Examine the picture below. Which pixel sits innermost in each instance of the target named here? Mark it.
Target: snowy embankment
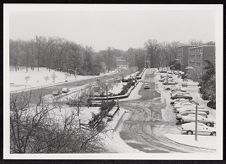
(133, 75)
(202, 142)
(22, 80)
(112, 140)
(117, 88)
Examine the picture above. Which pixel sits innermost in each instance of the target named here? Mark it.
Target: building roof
(201, 46)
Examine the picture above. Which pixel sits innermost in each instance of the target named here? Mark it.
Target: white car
(186, 113)
(183, 104)
(189, 128)
(175, 101)
(65, 90)
(192, 108)
(191, 118)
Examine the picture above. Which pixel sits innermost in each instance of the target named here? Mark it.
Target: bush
(126, 87)
(96, 121)
(212, 104)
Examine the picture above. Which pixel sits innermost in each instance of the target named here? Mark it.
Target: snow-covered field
(20, 80)
(203, 141)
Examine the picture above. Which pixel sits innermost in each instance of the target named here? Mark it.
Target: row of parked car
(185, 110)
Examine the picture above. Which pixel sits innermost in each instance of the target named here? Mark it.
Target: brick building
(182, 55)
(196, 60)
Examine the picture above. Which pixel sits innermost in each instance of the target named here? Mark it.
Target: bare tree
(27, 78)
(54, 76)
(46, 78)
(33, 129)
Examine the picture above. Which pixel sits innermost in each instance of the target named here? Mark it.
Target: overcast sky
(119, 29)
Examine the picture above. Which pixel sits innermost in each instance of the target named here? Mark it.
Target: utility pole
(196, 121)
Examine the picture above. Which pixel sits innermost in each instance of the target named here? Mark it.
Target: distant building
(196, 60)
(121, 62)
(182, 55)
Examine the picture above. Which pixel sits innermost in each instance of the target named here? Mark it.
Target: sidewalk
(208, 142)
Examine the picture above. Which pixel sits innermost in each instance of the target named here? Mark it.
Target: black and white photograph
(111, 81)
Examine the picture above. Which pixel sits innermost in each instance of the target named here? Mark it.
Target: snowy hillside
(21, 79)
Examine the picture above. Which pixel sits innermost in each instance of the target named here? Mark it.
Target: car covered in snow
(186, 113)
(146, 86)
(65, 90)
(183, 104)
(179, 100)
(170, 82)
(192, 108)
(56, 92)
(191, 118)
(202, 129)
(184, 95)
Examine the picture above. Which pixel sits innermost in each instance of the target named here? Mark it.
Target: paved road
(146, 126)
(35, 93)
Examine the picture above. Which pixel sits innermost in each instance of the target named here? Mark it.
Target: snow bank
(202, 142)
(117, 88)
(134, 94)
(112, 140)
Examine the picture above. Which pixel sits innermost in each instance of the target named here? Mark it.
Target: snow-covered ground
(112, 140)
(131, 75)
(85, 114)
(20, 80)
(203, 141)
(117, 88)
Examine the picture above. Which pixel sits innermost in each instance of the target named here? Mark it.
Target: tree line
(59, 54)
(67, 56)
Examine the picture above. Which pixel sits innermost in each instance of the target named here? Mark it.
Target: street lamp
(196, 118)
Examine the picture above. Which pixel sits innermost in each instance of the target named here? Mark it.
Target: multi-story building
(196, 60)
(182, 55)
(121, 62)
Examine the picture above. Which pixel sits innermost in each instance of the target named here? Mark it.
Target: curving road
(145, 127)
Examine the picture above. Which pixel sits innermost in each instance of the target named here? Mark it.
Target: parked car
(170, 83)
(183, 104)
(192, 108)
(167, 88)
(189, 128)
(163, 71)
(181, 95)
(146, 86)
(191, 118)
(65, 90)
(56, 92)
(162, 80)
(186, 113)
(175, 101)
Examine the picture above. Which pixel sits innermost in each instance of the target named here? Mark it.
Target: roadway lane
(35, 93)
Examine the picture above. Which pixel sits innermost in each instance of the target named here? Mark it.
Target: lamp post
(196, 119)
